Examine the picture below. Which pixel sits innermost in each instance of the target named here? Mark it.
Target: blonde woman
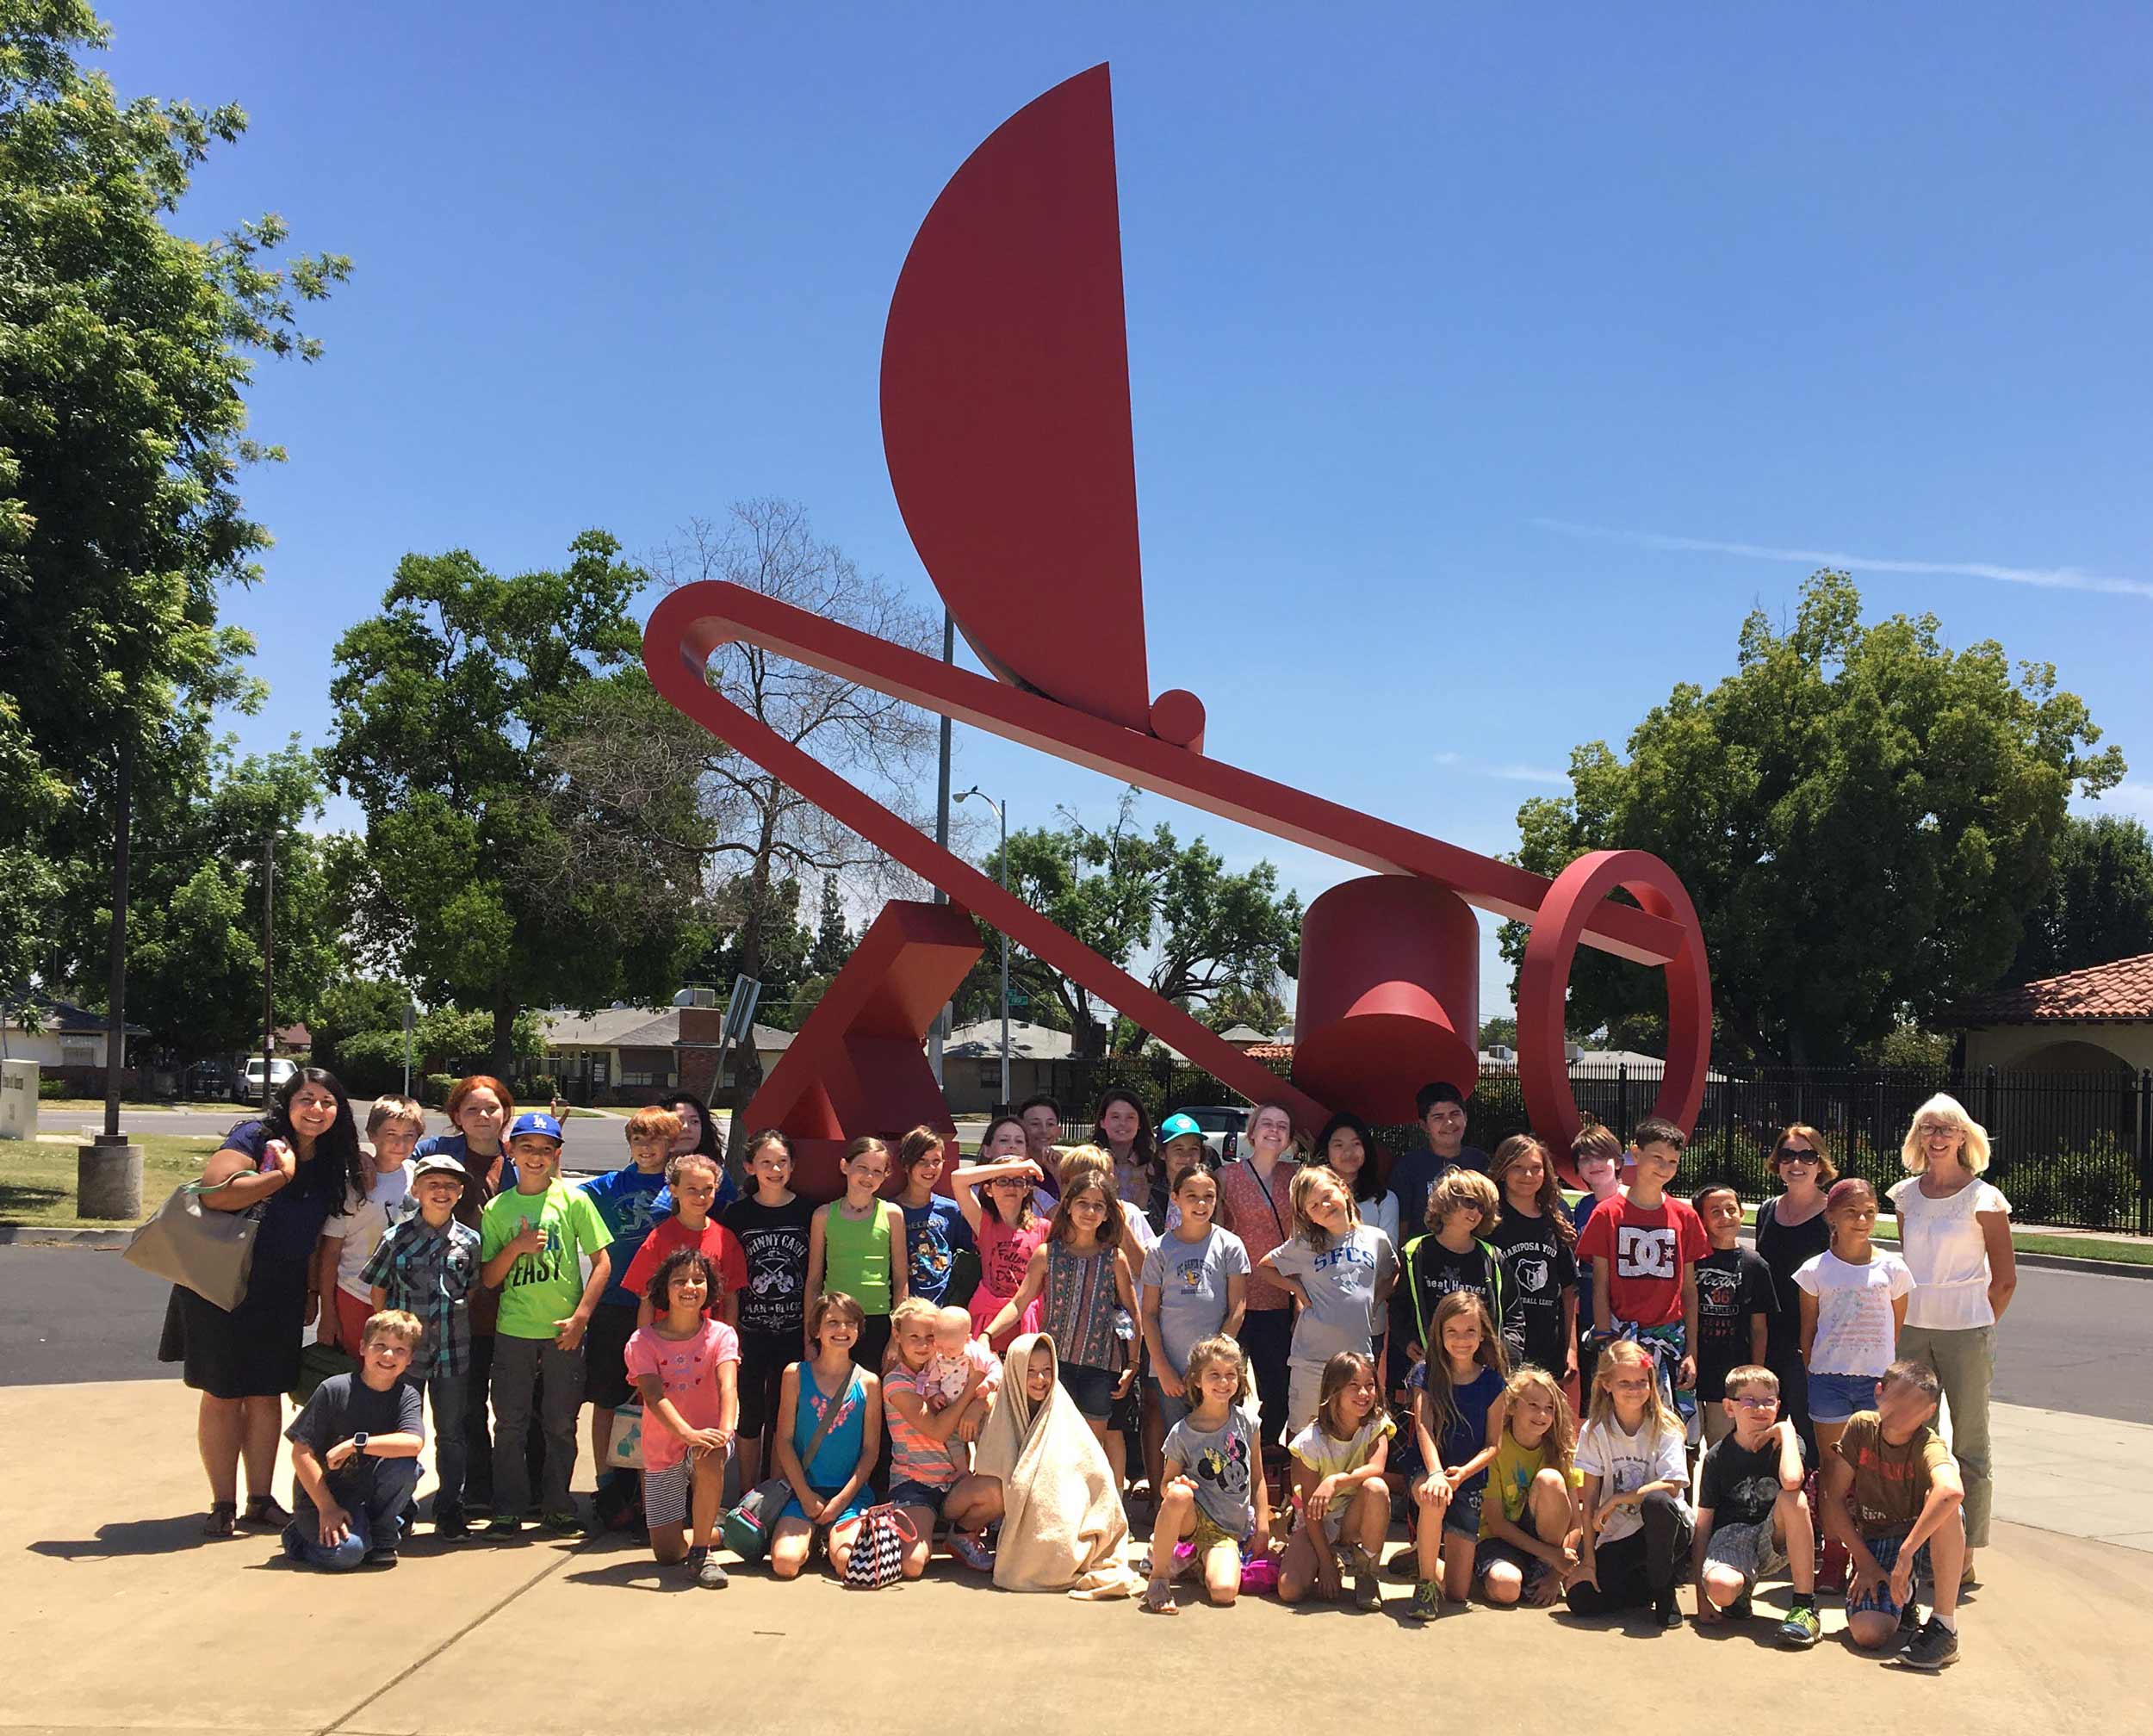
(1955, 1233)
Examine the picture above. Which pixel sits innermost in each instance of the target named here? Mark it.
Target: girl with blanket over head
(1039, 1466)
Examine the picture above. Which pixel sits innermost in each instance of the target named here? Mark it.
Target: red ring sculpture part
(1543, 984)
(1006, 424)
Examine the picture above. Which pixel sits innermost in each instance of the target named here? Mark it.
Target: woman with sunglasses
(1790, 1230)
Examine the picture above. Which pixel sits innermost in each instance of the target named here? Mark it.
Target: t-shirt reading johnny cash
(774, 1240)
(1733, 1286)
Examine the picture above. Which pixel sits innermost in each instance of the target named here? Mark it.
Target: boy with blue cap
(533, 1242)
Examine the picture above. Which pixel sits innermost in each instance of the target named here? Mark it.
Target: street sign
(740, 1010)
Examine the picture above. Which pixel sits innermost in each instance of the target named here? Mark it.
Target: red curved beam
(1543, 983)
(1005, 407)
(693, 621)
(682, 633)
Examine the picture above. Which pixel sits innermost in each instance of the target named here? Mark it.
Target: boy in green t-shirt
(532, 1243)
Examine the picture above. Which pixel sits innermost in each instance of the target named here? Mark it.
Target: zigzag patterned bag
(878, 1557)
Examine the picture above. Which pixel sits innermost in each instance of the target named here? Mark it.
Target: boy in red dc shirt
(1644, 1248)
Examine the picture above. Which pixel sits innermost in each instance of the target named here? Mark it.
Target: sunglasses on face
(1795, 1154)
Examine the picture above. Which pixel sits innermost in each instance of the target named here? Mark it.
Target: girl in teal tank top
(856, 1245)
(833, 1407)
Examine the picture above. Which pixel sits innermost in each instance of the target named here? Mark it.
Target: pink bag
(1259, 1573)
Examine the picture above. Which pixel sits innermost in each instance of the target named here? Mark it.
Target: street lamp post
(1001, 813)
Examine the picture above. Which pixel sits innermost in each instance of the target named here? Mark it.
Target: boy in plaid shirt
(428, 1265)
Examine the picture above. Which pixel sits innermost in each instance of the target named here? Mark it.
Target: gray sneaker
(710, 1574)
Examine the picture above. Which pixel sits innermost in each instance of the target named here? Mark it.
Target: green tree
(782, 944)
(195, 907)
(1131, 895)
(1863, 817)
(2097, 904)
(833, 941)
(1499, 1031)
(125, 353)
(494, 872)
(1259, 1006)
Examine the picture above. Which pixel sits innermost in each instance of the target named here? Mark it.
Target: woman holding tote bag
(297, 1163)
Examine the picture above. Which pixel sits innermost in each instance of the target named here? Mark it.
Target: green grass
(37, 1177)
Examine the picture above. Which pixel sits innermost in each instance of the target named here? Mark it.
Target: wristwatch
(358, 1443)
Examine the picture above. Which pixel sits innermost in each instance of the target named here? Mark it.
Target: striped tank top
(1080, 1305)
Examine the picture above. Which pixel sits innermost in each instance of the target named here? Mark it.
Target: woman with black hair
(292, 1166)
(699, 1132)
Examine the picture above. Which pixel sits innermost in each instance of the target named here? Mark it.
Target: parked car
(280, 1069)
(1223, 1124)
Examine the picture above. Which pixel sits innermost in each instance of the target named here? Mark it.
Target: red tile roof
(2108, 993)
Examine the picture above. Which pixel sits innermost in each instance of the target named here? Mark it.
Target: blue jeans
(374, 1492)
(449, 1397)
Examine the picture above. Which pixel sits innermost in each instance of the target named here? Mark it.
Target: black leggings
(1645, 1566)
(1267, 1336)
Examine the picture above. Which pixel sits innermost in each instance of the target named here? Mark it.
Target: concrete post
(18, 1100)
(109, 1179)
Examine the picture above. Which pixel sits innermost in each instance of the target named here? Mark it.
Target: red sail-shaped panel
(1005, 407)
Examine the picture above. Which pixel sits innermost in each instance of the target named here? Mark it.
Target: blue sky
(1488, 364)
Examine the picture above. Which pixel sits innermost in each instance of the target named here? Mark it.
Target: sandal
(223, 1519)
(263, 1510)
(1159, 1599)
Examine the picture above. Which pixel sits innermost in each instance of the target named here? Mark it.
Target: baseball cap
(1176, 1126)
(438, 1165)
(535, 1121)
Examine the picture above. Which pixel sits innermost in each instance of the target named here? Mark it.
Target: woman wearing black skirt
(292, 1166)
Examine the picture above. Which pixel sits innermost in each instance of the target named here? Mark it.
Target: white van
(250, 1080)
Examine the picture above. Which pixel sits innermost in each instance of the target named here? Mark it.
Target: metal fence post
(2145, 1151)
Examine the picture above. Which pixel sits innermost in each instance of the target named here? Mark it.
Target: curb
(54, 1235)
(2103, 1268)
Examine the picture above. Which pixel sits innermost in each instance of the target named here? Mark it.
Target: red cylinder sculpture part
(1543, 984)
(1389, 996)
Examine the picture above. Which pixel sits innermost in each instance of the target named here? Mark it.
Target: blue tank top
(840, 1451)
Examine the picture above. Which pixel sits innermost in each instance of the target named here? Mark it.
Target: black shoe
(1667, 1612)
(1739, 1610)
(1931, 1648)
(385, 1556)
(452, 1530)
(1909, 1620)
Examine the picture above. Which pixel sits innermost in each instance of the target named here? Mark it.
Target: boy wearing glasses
(1752, 1519)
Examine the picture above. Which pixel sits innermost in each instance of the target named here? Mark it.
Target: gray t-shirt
(1191, 1278)
(1217, 1461)
(1343, 1281)
(344, 1405)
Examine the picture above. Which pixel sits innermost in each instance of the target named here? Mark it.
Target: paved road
(2072, 1342)
(592, 1142)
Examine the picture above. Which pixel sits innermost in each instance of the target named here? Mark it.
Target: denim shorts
(910, 1494)
(1170, 1410)
(1834, 1398)
(1462, 1515)
(1092, 1389)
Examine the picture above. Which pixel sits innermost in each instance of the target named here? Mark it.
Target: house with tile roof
(2098, 1019)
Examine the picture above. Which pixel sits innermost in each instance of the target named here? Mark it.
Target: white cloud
(1509, 772)
(2047, 578)
(2127, 798)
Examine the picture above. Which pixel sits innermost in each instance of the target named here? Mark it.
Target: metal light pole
(269, 964)
(1001, 813)
(937, 1036)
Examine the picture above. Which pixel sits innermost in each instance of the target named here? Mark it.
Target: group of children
(823, 1344)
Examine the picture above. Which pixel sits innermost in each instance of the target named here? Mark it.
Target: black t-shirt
(1732, 1284)
(1786, 1248)
(1739, 1486)
(774, 1240)
(1432, 1271)
(344, 1405)
(1536, 1269)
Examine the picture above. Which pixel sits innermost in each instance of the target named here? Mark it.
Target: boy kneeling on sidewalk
(1892, 1494)
(354, 1454)
(1752, 1519)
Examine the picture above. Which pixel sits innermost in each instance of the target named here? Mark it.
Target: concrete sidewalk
(2089, 1477)
(116, 1614)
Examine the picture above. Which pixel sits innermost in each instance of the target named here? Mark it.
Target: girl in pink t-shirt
(686, 1367)
(1003, 1225)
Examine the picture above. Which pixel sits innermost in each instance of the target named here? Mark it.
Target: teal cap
(1174, 1126)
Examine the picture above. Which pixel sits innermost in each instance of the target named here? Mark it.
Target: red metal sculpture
(1006, 422)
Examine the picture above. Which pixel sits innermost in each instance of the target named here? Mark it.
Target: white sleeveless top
(1941, 1240)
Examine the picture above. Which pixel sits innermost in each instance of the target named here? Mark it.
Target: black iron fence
(2072, 1150)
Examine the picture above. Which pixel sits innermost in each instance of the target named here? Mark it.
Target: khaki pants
(1965, 1363)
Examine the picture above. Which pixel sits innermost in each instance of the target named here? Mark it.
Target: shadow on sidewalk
(141, 1537)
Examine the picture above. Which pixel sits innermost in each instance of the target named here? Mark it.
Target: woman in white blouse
(1955, 1233)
